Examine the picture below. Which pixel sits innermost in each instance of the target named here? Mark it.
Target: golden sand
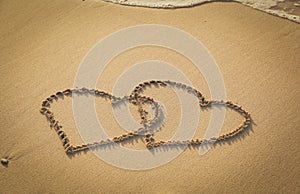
(42, 45)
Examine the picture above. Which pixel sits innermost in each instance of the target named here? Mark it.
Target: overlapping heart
(147, 131)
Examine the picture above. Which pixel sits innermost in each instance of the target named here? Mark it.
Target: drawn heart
(147, 130)
(68, 146)
(203, 103)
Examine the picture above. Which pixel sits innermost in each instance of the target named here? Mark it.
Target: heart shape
(136, 99)
(203, 103)
(68, 146)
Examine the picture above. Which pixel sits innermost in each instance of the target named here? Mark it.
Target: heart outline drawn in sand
(68, 146)
(203, 103)
(136, 99)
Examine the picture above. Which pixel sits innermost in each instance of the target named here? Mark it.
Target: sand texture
(42, 44)
(288, 9)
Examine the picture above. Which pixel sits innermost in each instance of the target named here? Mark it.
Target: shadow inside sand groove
(157, 126)
(238, 137)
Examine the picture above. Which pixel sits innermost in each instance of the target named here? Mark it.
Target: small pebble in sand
(4, 161)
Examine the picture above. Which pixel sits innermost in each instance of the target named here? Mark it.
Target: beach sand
(288, 9)
(43, 44)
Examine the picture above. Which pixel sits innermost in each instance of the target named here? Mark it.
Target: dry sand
(43, 43)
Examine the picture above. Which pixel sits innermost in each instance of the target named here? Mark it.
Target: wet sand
(288, 9)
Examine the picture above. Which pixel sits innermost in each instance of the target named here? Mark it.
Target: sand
(288, 9)
(42, 45)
